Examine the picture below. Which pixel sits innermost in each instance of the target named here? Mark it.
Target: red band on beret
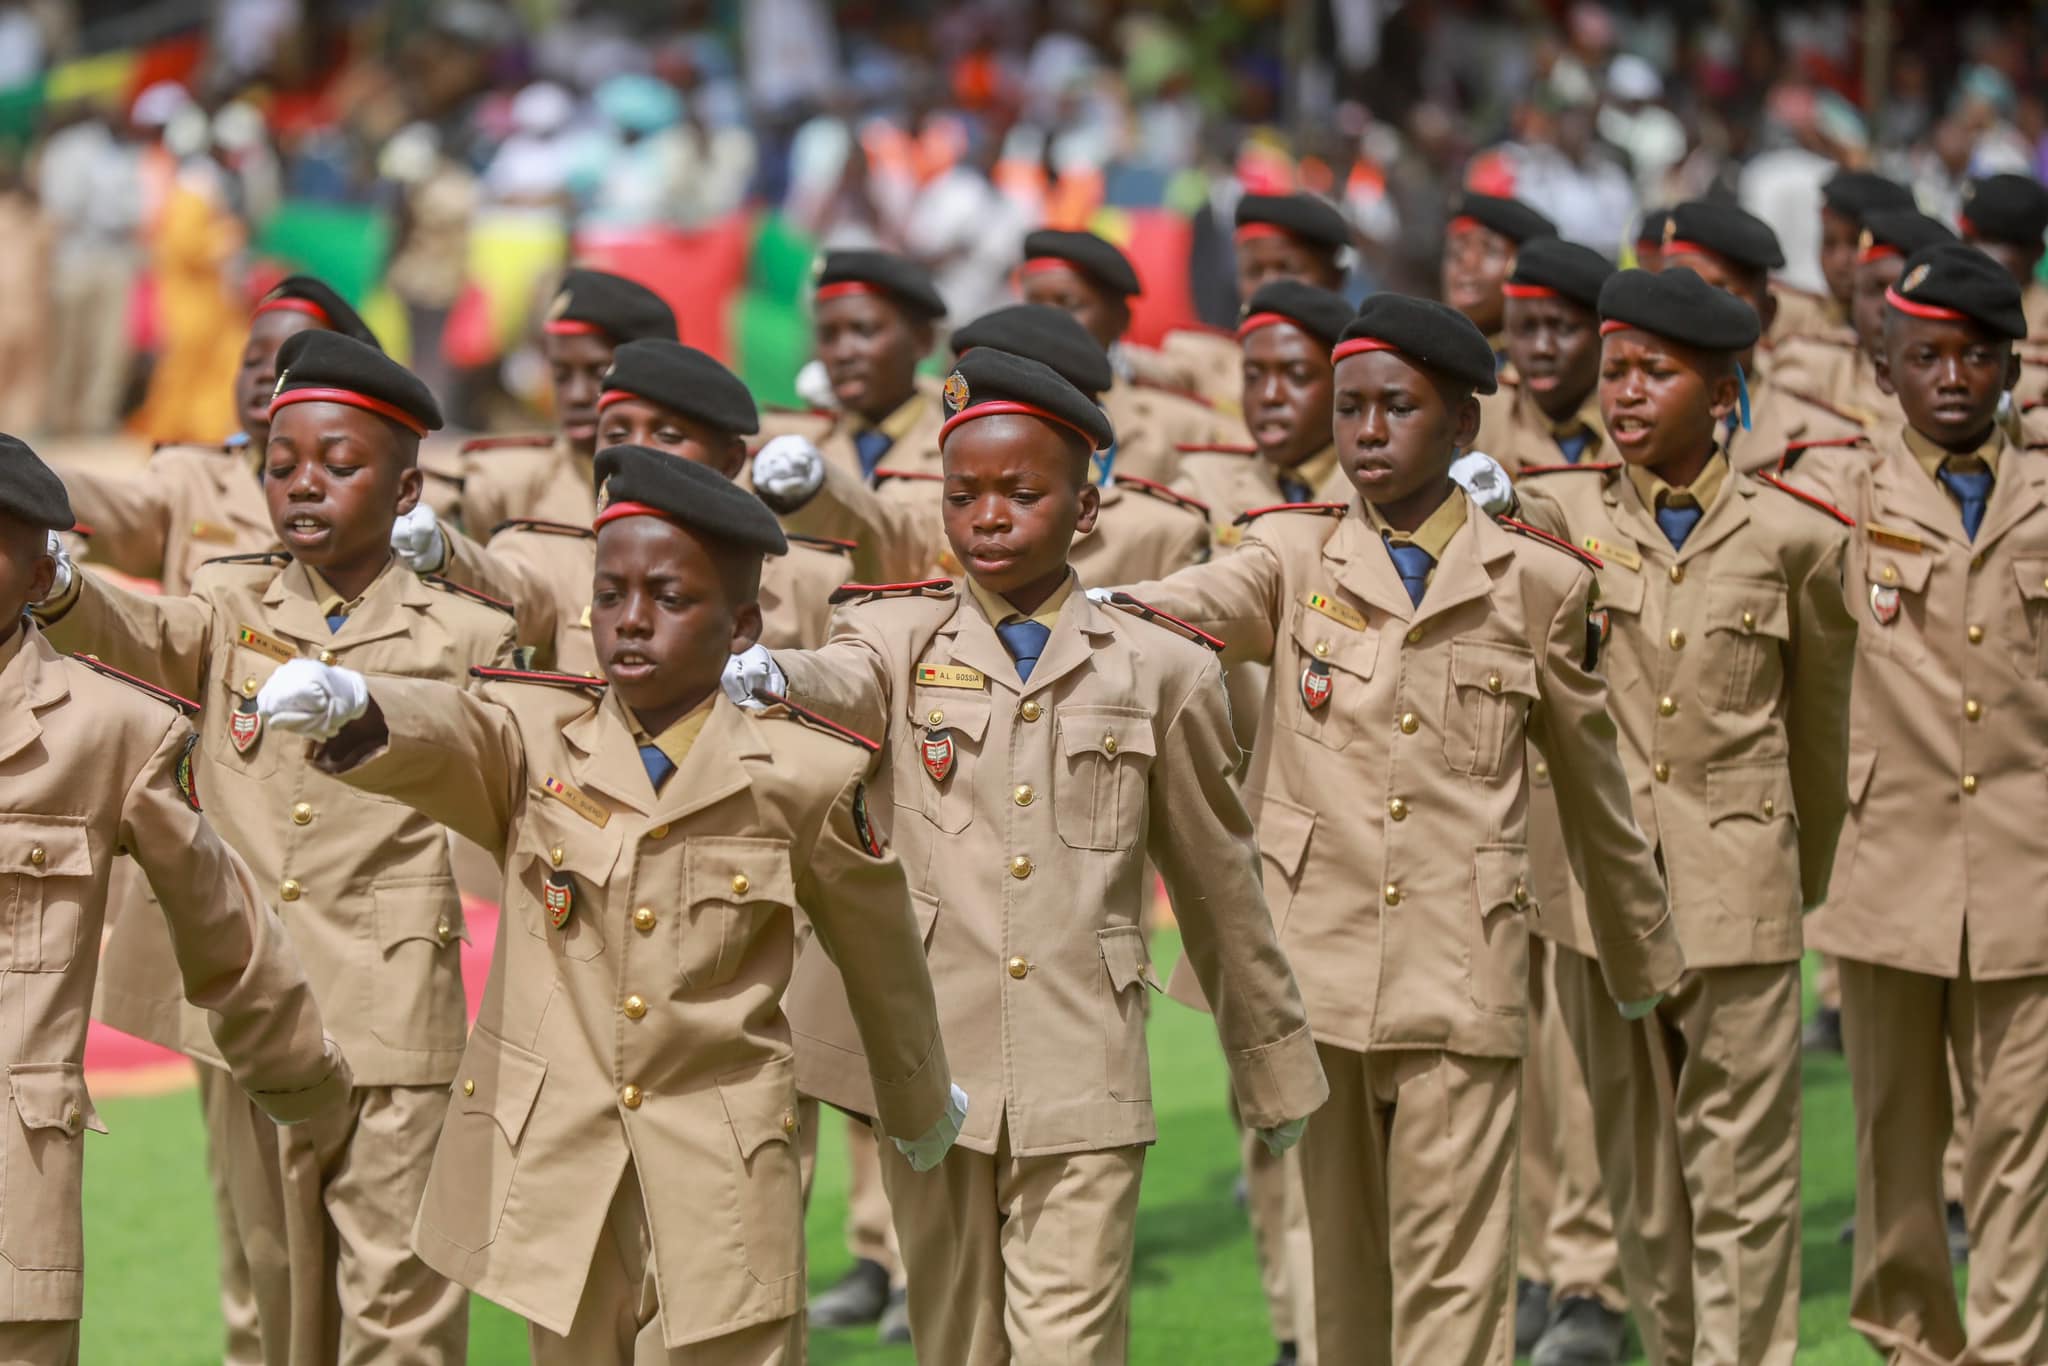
(1038, 265)
(1966, 227)
(1877, 251)
(1000, 406)
(1358, 346)
(572, 327)
(1679, 246)
(1613, 325)
(843, 288)
(1935, 311)
(295, 305)
(1515, 291)
(1259, 320)
(611, 396)
(1247, 231)
(619, 511)
(352, 399)
(1464, 222)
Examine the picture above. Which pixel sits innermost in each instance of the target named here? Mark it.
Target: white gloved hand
(59, 586)
(1637, 1010)
(814, 385)
(307, 697)
(416, 539)
(751, 671)
(927, 1152)
(1281, 1137)
(1103, 596)
(788, 471)
(1485, 482)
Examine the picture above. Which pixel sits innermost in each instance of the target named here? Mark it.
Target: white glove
(1103, 596)
(814, 385)
(59, 586)
(1637, 1010)
(1281, 1137)
(1485, 482)
(749, 672)
(788, 471)
(307, 697)
(416, 539)
(927, 1152)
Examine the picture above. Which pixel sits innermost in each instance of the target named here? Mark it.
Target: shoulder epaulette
(1321, 509)
(817, 722)
(1161, 387)
(923, 588)
(454, 481)
(1803, 496)
(544, 527)
(882, 474)
(1794, 449)
(554, 680)
(509, 441)
(184, 705)
(1213, 448)
(1162, 493)
(464, 591)
(1147, 612)
(832, 543)
(1825, 406)
(273, 558)
(1524, 529)
(1603, 466)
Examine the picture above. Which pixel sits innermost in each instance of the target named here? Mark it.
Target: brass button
(1667, 706)
(1415, 635)
(327, 656)
(1521, 892)
(1970, 784)
(659, 832)
(1973, 710)
(629, 1096)
(1024, 795)
(1493, 682)
(1677, 638)
(789, 1121)
(555, 856)
(1398, 809)
(1542, 769)
(1662, 772)
(1019, 969)
(443, 931)
(1020, 867)
(1889, 574)
(248, 687)
(1770, 808)
(1393, 893)
(1976, 634)
(1322, 649)
(1409, 723)
(1749, 621)
(935, 717)
(634, 1007)
(36, 857)
(643, 918)
(740, 885)
(289, 889)
(1109, 744)
(1678, 573)
(302, 814)
(469, 1087)
(1030, 711)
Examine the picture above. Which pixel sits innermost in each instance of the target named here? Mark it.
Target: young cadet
(591, 316)
(1480, 243)
(1548, 411)
(2004, 216)
(1279, 237)
(1847, 199)
(1040, 748)
(1087, 277)
(92, 765)
(1736, 252)
(1729, 653)
(1932, 916)
(372, 904)
(1415, 648)
(874, 317)
(656, 841)
(1649, 243)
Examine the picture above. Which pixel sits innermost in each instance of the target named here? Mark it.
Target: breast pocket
(731, 886)
(478, 1152)
(1492, 685)
(1747, 626)
(563, 869)
(1099, 788)
(45, 883)
(935, 774)
(1324, 684)
(2028, 640)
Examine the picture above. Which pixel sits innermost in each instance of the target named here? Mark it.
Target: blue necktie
(1413, 564)
(1972, 490)
(334, 622)
(1678, 521)
(1025, 640)
(872, 445)
(1105, 466)
(658, 765)
(1295, 491)
(1574, 446)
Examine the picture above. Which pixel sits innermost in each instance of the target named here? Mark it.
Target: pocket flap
(760, 1103)
(1126, 957)
(246, 673)
(562, 840)
(1617, 587)
(1341, 647)
(52, 1095)
(500, 1080)
(1898, 569)
(739, 870)
(2033, 578)
(1500, 876)
(1748, 609)
(1110, 732)
(44, 846)
(1761, 791)
(954, 709)
(426, 908)
(1284, 830)
(1493, 666)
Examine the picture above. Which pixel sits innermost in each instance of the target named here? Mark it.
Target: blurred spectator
(969, 233)
(1564, 170)
(24, 304)
(438, 197)
(89, 181)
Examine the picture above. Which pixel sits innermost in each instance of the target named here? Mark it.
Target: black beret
(1852, 194)
(1959, 283)
(1725, 230)
(1435, 336)
(1045, 334)
(1652, 227)
(1085, 252)
(304, 294)
(1315, 221)
(2006, 208)
(1511, 218)
(1553, 267)
(30, 491)
(1321, 313)
(1904, 231)
(985, 378)
(596, 300)
(327, 367)
(632, 480)
(684, 380)
(899, 277)
(1678, 305)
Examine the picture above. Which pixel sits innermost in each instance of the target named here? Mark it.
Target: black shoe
(860, 1297)
(1823, 1033)
(1532, 1314)
(895, 1329)
(1583, 1332)
(1958, 1236)
(1290, 1355)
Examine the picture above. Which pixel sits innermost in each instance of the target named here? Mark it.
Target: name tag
(1894, 538)
(1619, 554)
(1341, 612)
(582, 805)
(249, 638)
(950, 676)
(207, 531)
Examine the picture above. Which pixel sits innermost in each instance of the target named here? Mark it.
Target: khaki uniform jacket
(915, 452)
(1728, 667)
(364, 884)
(1782, 415)
(1368, 805)
(1152, 423)
(1231, 483)
(1804, 313)
(1028, 863)
(90, 767)
(649, 1026)
(1514, 431)
(1214, 365)
(1948, 819)
(190, 504)
(547, 483)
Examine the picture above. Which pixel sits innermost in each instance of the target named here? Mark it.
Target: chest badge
(558, 896)
(936, 749)
(245, 725)
(1315, 685)
(1884, 603)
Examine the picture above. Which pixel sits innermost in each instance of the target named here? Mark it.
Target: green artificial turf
(151, 1259)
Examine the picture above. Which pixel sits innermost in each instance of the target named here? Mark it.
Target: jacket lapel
(1902, 490)
(393, 606)
(291, 609)
(1072, 643)
(712, 771)
(1359, 562)
(31, 681)
(605, 759)
(1462, 574)
(2019, 490)
(1729, 514)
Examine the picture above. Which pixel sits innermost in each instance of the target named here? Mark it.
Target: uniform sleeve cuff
(1279, 1081)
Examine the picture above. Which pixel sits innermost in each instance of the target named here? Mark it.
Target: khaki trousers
(1898, 1029)
(248, 1205)
(39, 1342)
(1699, 1142)
(1410, 1170)
(1019, 1259)
(1279, 1218)
(618, 1320)
(89, 353)
(870, 1229)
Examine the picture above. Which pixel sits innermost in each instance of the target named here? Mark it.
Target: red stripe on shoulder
(506, 442)
(1214, 448)
(537, 676)
(812, 719)
(1162, 492)
(1176, 390)
(545, 527)
(1146, 611)
(184, 705)
(846, 592)
(1249, 516)
(81, 529)
(821, 542)
(1826, 407)
(464, 591)
(882, 474)
(1602, 466)
(1523, 528)
(1803, 496)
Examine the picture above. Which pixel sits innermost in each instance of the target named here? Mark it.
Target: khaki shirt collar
(329, 601)
(1701, 492)
(1932, 457)
(1437, 529)
(899, 422)
(682, 733)
(1587, 418)
(999, 611)
(1314, 471)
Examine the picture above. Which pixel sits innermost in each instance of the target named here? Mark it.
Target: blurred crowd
(156, 152)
